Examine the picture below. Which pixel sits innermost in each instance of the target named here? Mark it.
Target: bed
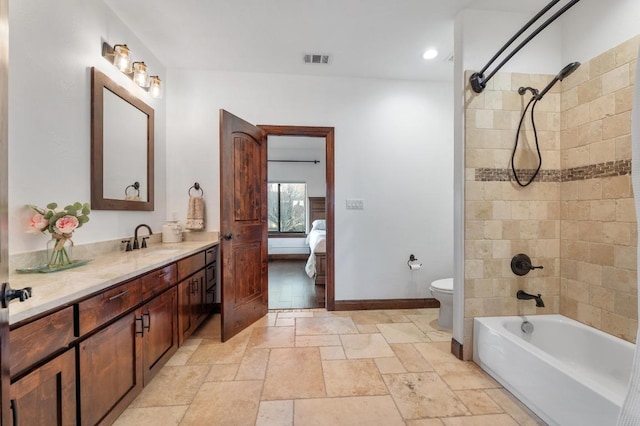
(317, 261)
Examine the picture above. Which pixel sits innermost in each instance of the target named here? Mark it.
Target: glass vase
(59, 251)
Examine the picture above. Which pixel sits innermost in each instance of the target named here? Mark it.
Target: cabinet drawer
(157, 281)
(210, 277)
(36, 340)
(211, 254)
(190, 265)
(109, 304)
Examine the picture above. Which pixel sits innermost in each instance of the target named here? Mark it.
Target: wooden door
(160, 332)
(5, 414)
(243, 223)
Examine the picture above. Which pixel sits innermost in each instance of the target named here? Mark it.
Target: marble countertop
(51, 290)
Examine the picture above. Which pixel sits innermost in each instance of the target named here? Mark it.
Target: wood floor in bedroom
(291, 288)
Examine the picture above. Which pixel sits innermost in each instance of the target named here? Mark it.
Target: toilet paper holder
(412, 263)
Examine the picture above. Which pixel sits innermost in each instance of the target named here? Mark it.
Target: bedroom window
(287, 208)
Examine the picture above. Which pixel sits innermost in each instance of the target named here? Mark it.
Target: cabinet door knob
(228, 236)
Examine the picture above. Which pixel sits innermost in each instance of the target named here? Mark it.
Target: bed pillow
(319, 224)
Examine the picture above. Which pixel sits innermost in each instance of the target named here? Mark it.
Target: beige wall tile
(624, 99)
(616, 79)
(627, 51)
(586, 92)
(623, 147)
(601, 64)
(616, 125)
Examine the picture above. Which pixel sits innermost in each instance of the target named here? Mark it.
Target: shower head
(564, 73)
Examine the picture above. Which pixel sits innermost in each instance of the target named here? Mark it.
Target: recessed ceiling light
(430, 54)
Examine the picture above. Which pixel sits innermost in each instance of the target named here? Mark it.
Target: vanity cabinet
(87, 361)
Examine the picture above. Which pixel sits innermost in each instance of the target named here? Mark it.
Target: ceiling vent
(316, 59)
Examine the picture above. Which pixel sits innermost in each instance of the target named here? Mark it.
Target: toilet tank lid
(443, 284)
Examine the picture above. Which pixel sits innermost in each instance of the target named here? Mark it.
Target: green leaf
(48, 215)
(52, 206)
(77, 205)
(86, 210)
(83, 219)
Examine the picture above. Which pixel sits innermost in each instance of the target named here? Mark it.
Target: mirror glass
(122, 148)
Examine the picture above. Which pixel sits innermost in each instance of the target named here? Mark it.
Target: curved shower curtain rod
(478, 80)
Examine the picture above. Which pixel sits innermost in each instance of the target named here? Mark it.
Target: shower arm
(478, 81)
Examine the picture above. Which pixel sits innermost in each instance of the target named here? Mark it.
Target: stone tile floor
(313, 367)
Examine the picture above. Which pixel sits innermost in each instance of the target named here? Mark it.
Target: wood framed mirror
(122, 128)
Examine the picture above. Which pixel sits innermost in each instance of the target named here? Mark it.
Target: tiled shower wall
(598, 284)
(577, 219)
(503, 219)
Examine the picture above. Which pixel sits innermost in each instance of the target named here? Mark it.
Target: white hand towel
(195, 213)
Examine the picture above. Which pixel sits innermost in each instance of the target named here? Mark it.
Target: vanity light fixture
(120, 56)
(155, 86)
(140, 74)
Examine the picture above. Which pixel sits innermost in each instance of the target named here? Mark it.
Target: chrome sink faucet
(136, 246)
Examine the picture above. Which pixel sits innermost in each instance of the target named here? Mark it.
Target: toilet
(442, 290)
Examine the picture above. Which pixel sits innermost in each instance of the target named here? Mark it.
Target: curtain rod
(294, 161)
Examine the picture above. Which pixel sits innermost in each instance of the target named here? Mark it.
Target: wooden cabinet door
(184, 310)
(160, 332)
(110, 370)
(198, 299)
(47, 395)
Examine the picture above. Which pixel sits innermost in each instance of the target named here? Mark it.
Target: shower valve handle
(521, 264)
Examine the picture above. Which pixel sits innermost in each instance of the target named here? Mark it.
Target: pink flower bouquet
(60, 223)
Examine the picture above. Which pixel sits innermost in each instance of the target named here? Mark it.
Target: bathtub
(564, 371)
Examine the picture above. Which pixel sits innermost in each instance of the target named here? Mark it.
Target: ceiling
(364, 38)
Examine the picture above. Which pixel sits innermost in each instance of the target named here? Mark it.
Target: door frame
(328, 134)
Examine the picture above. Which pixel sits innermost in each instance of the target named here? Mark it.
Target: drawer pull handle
(164, 274)
(148, 315)
(119, 295)
(14, 408)
(141, 330)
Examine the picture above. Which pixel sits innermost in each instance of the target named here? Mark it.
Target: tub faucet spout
(526, 296)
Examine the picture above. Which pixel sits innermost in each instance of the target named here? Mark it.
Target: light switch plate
(355, 204)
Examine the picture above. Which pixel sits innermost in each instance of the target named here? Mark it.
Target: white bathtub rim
(575, 374)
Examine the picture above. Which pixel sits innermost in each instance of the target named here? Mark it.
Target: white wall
(592, 27)
(53, 46)
(394, 149)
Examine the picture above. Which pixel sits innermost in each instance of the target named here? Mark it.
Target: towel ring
(135, 186)
(197, 187)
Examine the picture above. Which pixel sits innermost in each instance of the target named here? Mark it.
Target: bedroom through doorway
(296, 192)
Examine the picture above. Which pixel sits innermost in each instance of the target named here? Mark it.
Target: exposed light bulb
(430, 54)
(122, 57)
(155, 86)
(140, 74)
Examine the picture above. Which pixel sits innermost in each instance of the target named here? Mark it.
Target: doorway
(294, 272)
(296, 193)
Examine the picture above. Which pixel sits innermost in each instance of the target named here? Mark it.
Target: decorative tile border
(593, 171)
